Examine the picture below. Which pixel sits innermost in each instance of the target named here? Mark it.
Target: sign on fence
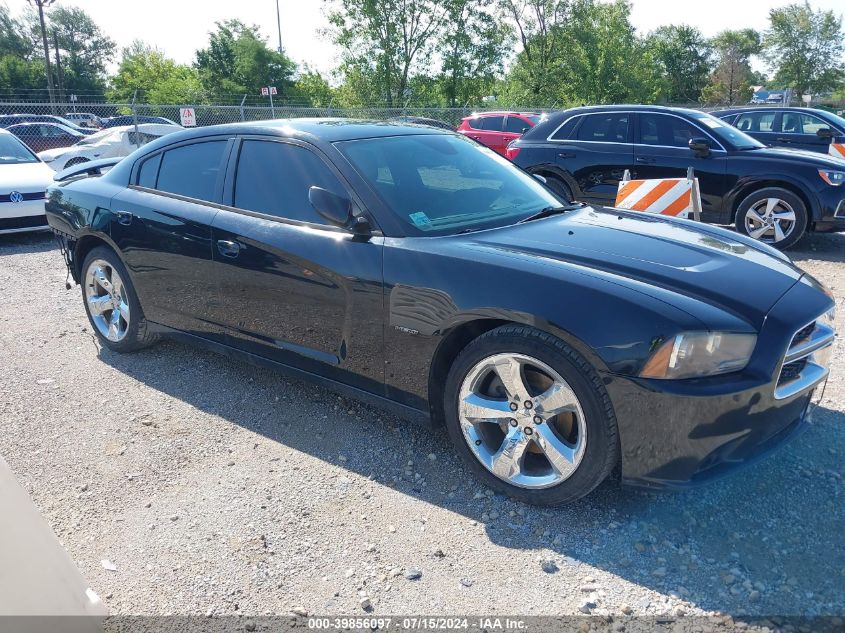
(188, 117)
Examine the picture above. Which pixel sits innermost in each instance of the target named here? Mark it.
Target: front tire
(773, 215)
(559, 187)
(111, 303)
(530, 416)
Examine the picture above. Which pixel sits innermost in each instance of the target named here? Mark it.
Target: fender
(556, 171)
(746, 184)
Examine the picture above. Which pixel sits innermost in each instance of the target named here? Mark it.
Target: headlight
(832, 177)
(696, 354)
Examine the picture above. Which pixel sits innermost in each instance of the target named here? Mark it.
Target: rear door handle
(124, 217)
(645, 159)
(228, 249)
(565, 155)
(785, 140)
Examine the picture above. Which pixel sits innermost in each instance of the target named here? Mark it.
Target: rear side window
(756, 122)
(274, 178)
(192, 170)
(148, 174)
(476, 124)
(493, 123)
(565, 130)
(516, 125)
(608, 127)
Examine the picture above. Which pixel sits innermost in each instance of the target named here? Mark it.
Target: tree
(85, 50)
(238, 61)
(385, 41)
(157, 78)
(805, 48)
(472, 49)
(12, 42)
(312, 88)
(684, 57)
(731, 80)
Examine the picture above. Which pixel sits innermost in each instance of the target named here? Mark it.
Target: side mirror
(700, 145)
(337, 210)
(824, 132)
(540, 178)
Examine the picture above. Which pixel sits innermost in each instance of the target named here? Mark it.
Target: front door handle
(228, 249)
(786, 140)
(645, 160)
(124, 217)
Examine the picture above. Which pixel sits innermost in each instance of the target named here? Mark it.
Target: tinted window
(191, 170)
(274, 178)
(659, 129)
(565, 131)
(148, 173)
(516, 125)
(476, 124)
(756, 122)
(493, 123)
(439, 184)
(608, 127)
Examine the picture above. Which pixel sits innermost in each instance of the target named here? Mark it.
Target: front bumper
(22, 216)
(832, 210)
(675, 434)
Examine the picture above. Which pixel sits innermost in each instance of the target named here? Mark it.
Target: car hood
(52, 154)
(25, 178)
(799, 155)
(703, 262)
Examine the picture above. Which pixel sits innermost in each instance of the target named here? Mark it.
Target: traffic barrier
(837, 150)
(677, 197)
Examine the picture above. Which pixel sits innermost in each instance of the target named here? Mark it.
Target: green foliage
(732, 78)
(157, 78)
(237, 61)
(312, 89)
(683, 55)
(85, 50)
(805, 48)
(12, 41)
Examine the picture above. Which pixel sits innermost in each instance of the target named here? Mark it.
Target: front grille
(38, 195)
(805, 362)
(26, 222)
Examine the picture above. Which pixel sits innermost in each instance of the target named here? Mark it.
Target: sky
(179, 28)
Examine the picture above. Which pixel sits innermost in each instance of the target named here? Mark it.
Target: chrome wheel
(522, 420)
(106, 299)
(770, 220)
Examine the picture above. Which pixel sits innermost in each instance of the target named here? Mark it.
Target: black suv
(773, 195)
(794, 128)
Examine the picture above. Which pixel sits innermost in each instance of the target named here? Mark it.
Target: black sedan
(419, 270)
(771, 194)
(794, 128)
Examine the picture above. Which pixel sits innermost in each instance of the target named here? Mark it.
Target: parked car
(23, 183)
(793, 128)
(414, 268)
(8, 120)
(421, 120)
(41, 136)
(108, 143)
(121, 121)
(85, 119)
(498, 129)
(773, 195)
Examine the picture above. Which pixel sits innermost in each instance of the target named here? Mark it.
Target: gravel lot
(216, 488)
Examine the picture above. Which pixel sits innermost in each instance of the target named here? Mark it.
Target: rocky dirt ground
(212, 487)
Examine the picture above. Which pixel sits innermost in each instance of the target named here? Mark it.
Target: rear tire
(111, 304)
(559, 187)
(530, 416)
(774, 216)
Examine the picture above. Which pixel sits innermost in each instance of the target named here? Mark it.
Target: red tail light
(512, 152)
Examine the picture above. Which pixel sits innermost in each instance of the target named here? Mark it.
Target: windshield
(99, 137)
(725, 132)
(13, 152)
(443, 184)
(534, 118)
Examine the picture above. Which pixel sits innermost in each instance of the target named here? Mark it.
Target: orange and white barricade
(837, 150)
(679, 197)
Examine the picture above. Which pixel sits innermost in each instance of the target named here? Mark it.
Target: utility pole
(279, 25)
(60, 79)
(40, 4)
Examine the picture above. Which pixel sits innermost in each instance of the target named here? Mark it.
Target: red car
(497, 129)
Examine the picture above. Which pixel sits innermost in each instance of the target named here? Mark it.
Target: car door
(799, 131)
(761, 125)
(662, 151)
(292, 287)
(492, 134)
(596, 149)
(515, 127)
(162, 225)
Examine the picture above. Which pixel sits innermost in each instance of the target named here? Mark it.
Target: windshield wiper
(546, 212)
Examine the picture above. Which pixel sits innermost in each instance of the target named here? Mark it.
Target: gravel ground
(217, 488)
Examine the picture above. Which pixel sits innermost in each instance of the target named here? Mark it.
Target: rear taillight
(511, 152)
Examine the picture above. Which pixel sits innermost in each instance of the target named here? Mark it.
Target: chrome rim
(770, 220)
(105, 295)
(522, 421)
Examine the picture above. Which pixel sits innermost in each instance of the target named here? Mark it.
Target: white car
(112, 142)
(23, 185)
(85, 119)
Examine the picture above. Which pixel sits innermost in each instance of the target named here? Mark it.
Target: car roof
(476, 115)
